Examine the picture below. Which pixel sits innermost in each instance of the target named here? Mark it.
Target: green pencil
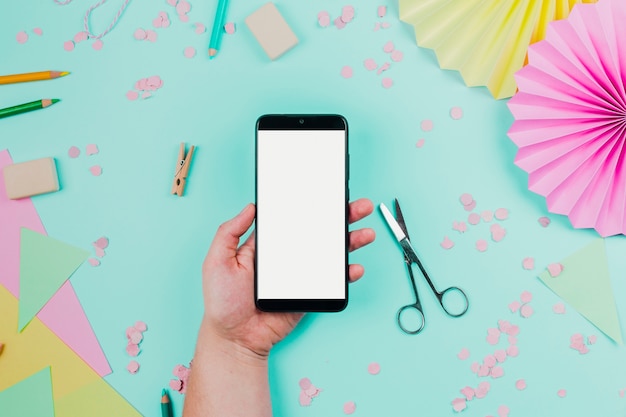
(26, 107)
(166, 405)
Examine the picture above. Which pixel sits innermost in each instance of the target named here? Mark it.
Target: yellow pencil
(31, 76)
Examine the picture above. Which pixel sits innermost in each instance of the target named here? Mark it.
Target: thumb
(227, 237)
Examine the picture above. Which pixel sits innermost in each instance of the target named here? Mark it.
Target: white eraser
(271, 31)
(30, 178)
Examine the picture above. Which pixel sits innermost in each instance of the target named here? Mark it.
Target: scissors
(398, 227)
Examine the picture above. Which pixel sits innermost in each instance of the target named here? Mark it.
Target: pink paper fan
(570, 117)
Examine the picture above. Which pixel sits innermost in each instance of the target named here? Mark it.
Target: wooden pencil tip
(212, 53)
(63, 73)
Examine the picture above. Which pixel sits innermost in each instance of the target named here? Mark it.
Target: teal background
(151, 271)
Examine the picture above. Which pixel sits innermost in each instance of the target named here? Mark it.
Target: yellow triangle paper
(37, 347)
(585, 284)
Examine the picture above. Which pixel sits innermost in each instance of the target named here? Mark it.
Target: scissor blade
(400, 219)
(393, 224)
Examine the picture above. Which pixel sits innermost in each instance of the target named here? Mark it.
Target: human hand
(228, 283)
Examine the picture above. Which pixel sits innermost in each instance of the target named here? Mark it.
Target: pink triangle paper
(63, 314)
(45, 265)
(585, 284)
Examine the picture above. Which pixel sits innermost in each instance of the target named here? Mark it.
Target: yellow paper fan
(485, 40)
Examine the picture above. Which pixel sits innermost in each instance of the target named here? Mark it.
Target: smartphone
(302, 173)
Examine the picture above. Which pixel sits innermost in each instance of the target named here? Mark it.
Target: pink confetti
(373, 368)
(99, 252)
(135, 337)
(305, 383)
(387, 82)
(463, 354)
(526, 311)
(376, 26)
(447, 243)
(386, 25)
(346, 71)
(133, 367)
(474, 367)
(172, 2)
(544, 221)
(96, 170)
(183, 7)
(512, 351)
(140, 34)
(592, 339)
(489, 361)
(487, 216)
(181, 371)
(73, 152)
(520, 384)
(500, 355)
(555, 269)
(21, 37)
(200, 28)
(304, 399)
(370, 64)
(558, 308)
(229, 28)
(483, 370)
(481, 245)
(497, 232)
(189, 52)
(141, 326)
(456, 113)
(347, 13)
(157, 22)
(132, 95)
(339, 24)
(383, 67)
(324, 21)
(502, 214)
(396, 56)
(81, 36)
(151, 35)
(426, 125)
(92, 149)
(68, 46)
(459, 404)
(514, 306)
(382, 11)
(132, 349)
(94, 262)
(526, 297)
(312, 391)
(419, 143)
(468, 392)
(471, 206)
(349, 407)
(145, 95)
(528, 263)
(176, 384)
(561, 393)
(38, 31)
(97, 45)
(388, 47)
(493, 339)
(466, 199)
(473, 219)
(503, 411)
(497, 372)
(460, 227)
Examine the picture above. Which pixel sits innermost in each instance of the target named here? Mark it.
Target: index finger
(359, 209)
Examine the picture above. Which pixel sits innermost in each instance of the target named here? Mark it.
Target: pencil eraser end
(26, 179)
(271, 31)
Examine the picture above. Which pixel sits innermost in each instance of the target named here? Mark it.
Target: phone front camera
(301, 121)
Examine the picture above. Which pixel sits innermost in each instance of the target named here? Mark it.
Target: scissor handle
(404, 309)
(457, 311)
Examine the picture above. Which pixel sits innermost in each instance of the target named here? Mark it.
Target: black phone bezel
(304, 122)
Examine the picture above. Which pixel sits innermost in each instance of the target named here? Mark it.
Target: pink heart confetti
(97, 45)
(512, 351)
(38, 31)
(526, 297)
(370, 64)
(459, 404)
(481, 245)
(132, 95)
(388, 47)
(528, 263)
(460, 227)
(99, 252)
(339, 24)
(68, 46)
(489, 361)
(229, 28)
(132, 349)
(487, 216)
(456, 113)
(514, 306)
(503, 411)
(419, 143)
(21, 37)
(93, 262)
(520, 384)
(91, 149)
(81, 36)
(102, 243)
(387, 82)
(172, 2)
(373, 368)
(189, 52)
(426, 125)
(383, 68)
(526, 311)
(463, 354)
(447, 243)
(475, 367)
(502, 214)
(544, 221)
(561, 393)
(151, 36)
(346, 71)
(555, 269)
(470, 206)
(349, 407)
(176, 384)
(376, 26)
(141, 326)
(500, 355)
(181, 371)
(473, 219)
(73, 152)
(133, 367)
(382, 11)
(385, 25)
(305, 383)
(140, 34)
(466, 199)
(497, 372)
(397, 56)
(96, 170)
(200, 28)
(558, 308)
(497, 232)
(592, 339)
(304, 399)
(468, 392)
(347, 13)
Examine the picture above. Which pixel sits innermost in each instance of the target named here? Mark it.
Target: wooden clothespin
(182, 170)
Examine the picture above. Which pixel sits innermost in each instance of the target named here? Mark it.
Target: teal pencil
(218, 28)
(23, 108)
(166, 405)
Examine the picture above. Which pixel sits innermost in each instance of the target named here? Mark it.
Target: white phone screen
(301, 214)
